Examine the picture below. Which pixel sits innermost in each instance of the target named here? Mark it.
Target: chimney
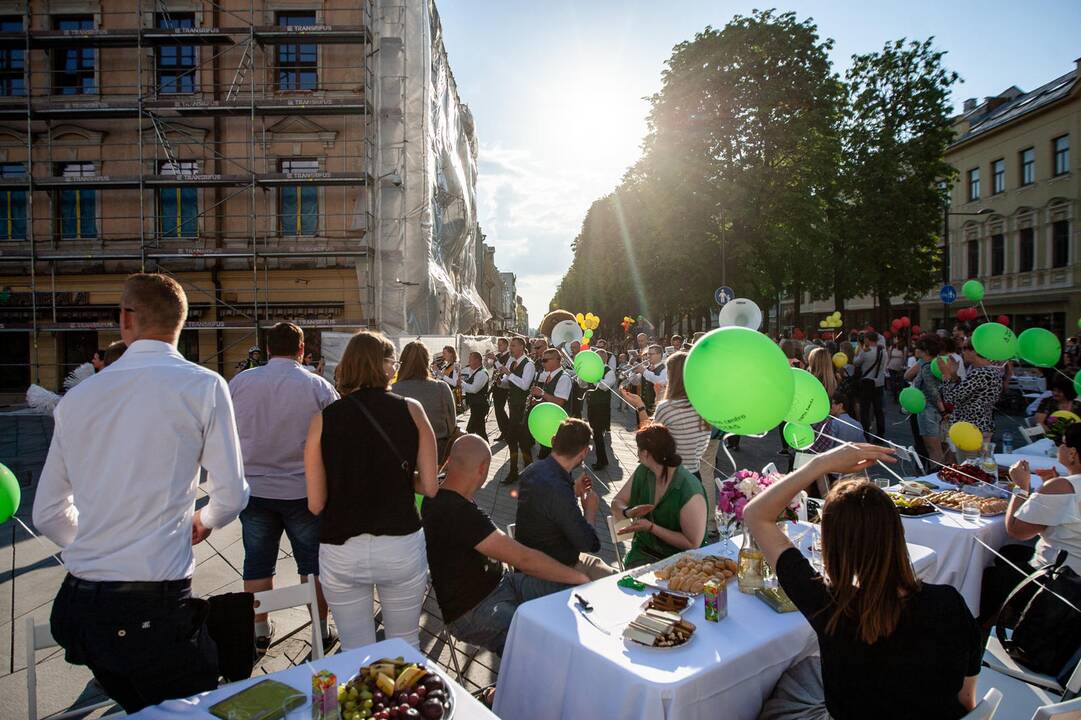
(970, 105)
(1077, 62)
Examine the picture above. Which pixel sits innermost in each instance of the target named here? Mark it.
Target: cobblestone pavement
(31, 574)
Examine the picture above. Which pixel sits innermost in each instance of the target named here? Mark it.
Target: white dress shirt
(451, 379)
(528, 372)
(480, 379)
(118, 489)
(564, 384)
(660, 378)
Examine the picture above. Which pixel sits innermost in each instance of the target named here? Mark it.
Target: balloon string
(985, 315)
(32, 534)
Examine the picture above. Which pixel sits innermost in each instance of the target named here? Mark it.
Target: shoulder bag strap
(1032, 577)
(382, 433)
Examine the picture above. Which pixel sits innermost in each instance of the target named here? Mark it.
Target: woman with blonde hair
(820, 364)
(415, 381)
(365, 457)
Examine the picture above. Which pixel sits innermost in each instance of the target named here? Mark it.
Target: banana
(385, 684)
(409, 677)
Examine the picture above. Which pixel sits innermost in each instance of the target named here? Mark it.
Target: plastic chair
(298, 595)
(996, 658)
(510, 530)
(1069, 710)
(611, 520)
(1032, 434)
(39, 637)
(985, 709)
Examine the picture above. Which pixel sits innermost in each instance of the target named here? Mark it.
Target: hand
(853, 458)
(582, 484)
(638, 510)
(536, 392)
(590, 502)
(640, 525)
(199, 532)
(636, 402)
(1020, 475)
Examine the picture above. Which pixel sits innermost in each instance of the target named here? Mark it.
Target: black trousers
(499, 402)
(518, 439)
(600, 421)
(478, 414)
(144, 642)
(871, 402)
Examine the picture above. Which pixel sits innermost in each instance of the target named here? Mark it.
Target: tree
(896, 135)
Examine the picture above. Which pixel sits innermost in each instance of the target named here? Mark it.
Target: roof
(989, 115)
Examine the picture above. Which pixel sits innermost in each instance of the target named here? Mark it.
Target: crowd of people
(350, 471)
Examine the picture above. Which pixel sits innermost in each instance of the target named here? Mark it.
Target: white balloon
(740, 312)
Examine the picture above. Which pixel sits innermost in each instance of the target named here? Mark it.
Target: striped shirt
(687, 427)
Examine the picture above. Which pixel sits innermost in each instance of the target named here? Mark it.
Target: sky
(558, 88)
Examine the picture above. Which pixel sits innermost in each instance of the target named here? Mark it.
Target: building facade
(1015, 202)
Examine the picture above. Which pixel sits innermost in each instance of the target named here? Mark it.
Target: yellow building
(224, 143)
(1013, 215)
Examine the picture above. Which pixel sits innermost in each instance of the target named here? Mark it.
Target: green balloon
(739, 380)
(418, 499)
(1040, 347)
(936, 367)
(973, 290)
(1077, 383)
(913, 400)
(544, 420)
(1079, 323)
(994, 341)
(588, 366)
(810, 403)
(587, 334)
(799, 435)
(10, 494)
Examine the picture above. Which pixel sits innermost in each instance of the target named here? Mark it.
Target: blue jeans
(488, 623)
(262, 522)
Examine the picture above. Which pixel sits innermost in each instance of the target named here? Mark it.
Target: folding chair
(39, 637)
(1032, 434)
(985, 709)
(510, 530)
(1069, 710)
(802, 458)
(996, 658)
(298, 595)
(615, 541)
(449, 641)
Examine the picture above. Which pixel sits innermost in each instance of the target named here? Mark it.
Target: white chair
(770, 469)
(39, 637)
(801, 511)
(801, 459)
(510, 530)
(297, 595)
(1069, 710)
(911, 454)
(985, 709)
(615, 541)
(996, 658)
(1032, 434)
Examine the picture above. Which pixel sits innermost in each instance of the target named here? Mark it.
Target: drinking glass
(816, 550)
(725, 527)
(970, 510)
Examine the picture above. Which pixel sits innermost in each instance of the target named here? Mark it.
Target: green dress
(648, 548)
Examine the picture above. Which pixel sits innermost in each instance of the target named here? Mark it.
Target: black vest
(549, 385)
(600, 395)
(649, 394)
(517, 395)
(479, 397)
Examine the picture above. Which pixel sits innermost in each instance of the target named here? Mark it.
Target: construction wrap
(425, 267)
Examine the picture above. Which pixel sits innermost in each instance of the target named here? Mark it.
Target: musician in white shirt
(500, 388)
(519, 375)
(118, 495)
(475, 388)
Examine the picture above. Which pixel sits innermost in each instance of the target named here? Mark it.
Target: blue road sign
(723, 295)
(948, 294)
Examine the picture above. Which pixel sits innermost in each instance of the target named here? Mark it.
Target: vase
(751, 574)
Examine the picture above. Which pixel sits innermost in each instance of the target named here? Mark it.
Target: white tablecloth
(556, 665)
(961, 559)
(1041, 448)
(344, 665)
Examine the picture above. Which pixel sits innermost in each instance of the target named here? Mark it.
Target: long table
(957, 542)
(557, 665)
(344, 665)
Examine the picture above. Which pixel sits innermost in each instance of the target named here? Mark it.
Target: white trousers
(395, 565)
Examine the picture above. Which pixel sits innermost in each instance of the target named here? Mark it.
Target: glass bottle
(987, 460)
(751, 573)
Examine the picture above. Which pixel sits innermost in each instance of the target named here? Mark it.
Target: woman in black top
(891, 646)
(365, 456)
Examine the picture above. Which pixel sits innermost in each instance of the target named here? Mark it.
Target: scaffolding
(191, 137)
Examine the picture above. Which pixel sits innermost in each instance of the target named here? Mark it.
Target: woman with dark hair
(365, 457)
(1063, 398)
(664, 501)
(974, 396)
(415, 381)
(875, 620)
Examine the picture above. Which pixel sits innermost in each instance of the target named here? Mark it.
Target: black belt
(121, 586)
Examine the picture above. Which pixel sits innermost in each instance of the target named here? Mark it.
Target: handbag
(1047, 631)
(870, 378)
(407, 467)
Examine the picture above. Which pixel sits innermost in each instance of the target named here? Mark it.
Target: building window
(974, 184)
(1026, 255)
(12, 80)
(12, 204)
(178, 207)
(1028, 166)
(298, 205)
(73, 68)
(78, 206)
(998, 176)
(175, 63)
(1062, 154)
(297, 64)
(1060, 243)
(973, 249)
(998, 254)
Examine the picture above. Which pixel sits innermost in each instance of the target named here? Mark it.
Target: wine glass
(725, 525)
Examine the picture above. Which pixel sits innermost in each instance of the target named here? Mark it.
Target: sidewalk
(31, 575)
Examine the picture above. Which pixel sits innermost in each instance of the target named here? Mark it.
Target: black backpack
(1046, 630)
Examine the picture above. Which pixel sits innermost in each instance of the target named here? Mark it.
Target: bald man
(466, 553)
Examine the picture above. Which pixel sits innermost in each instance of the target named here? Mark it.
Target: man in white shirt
(519, 375)
(654, 377)
(501, 390)
(475, 390)
(274, 407)
(871, 362)
(118, 495)
(554, 385)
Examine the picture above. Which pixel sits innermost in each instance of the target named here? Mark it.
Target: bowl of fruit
(396, 690)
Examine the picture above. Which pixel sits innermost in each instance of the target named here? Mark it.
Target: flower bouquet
(1059, 422)
(735, 492)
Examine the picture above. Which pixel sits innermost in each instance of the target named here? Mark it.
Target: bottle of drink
(1007, 442)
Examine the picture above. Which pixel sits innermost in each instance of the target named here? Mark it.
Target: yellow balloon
(580, 318)
(966, 436)
(839, 360)
(596, 323)
(1072, 417)
(822, 323)
(836, 314)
